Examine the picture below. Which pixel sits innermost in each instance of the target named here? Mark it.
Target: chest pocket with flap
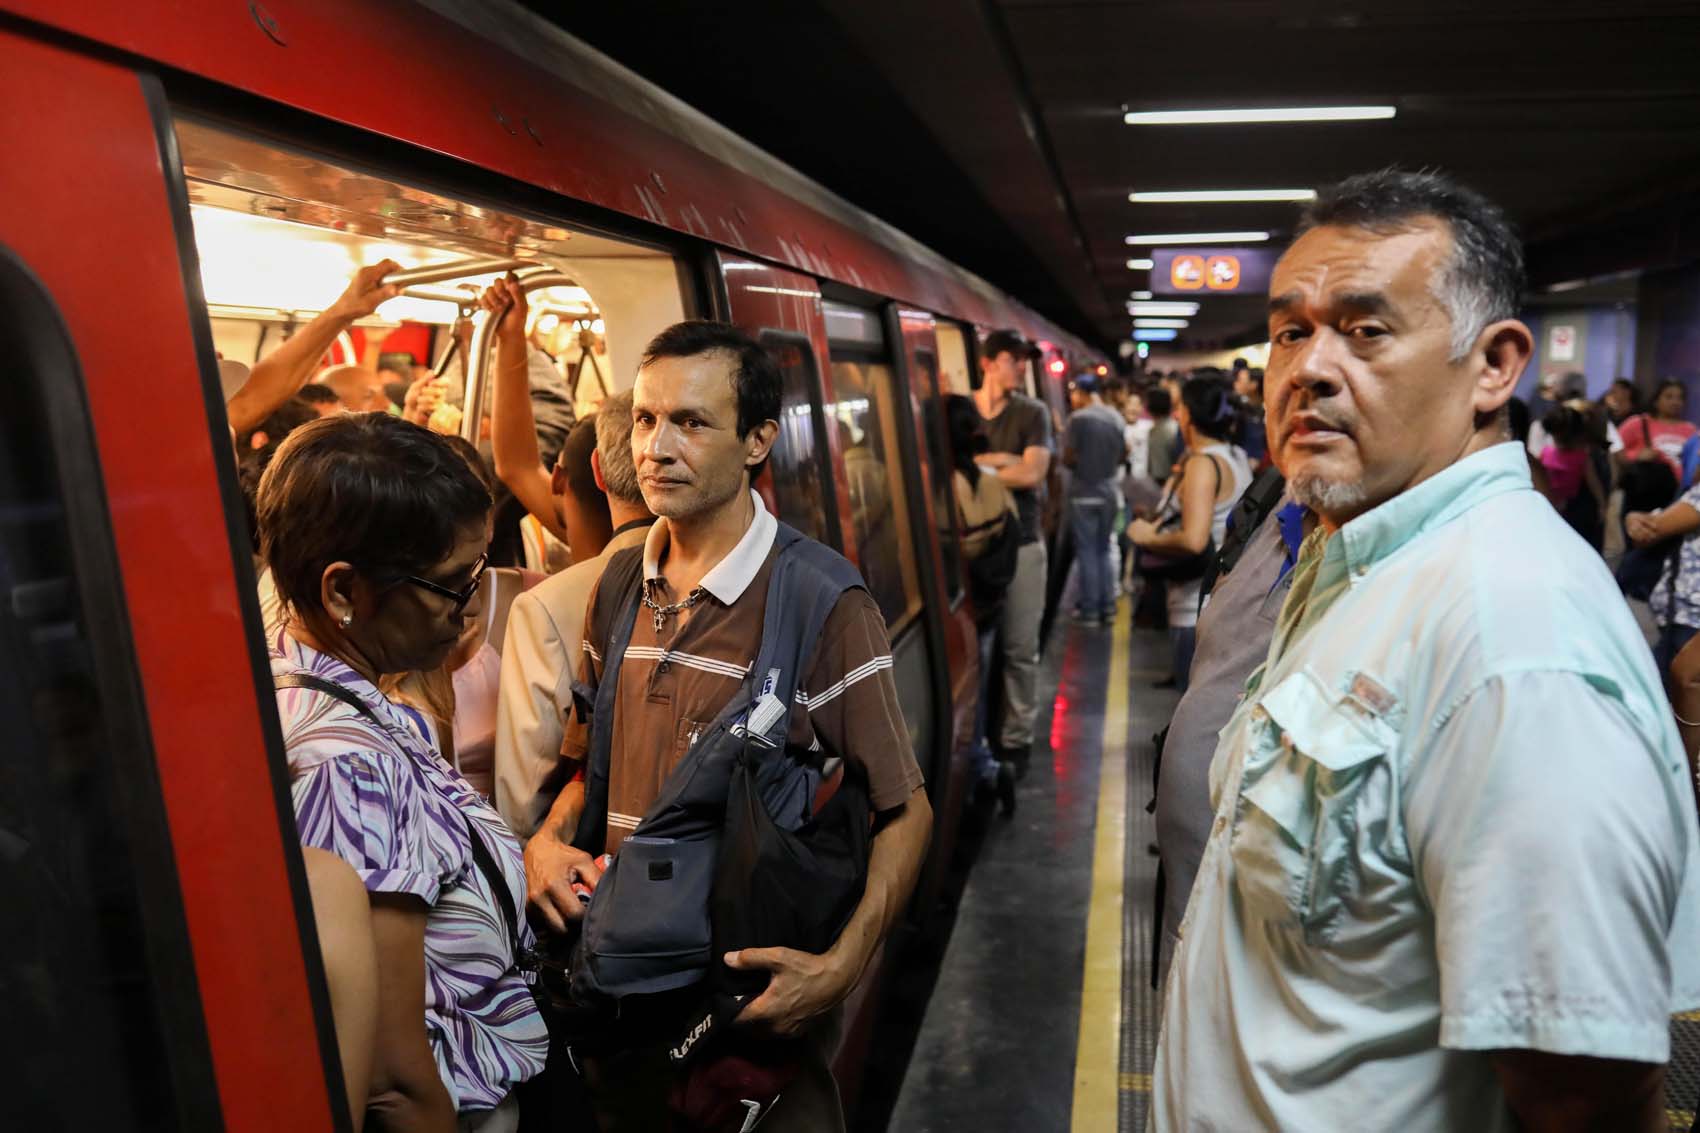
(1316, 780)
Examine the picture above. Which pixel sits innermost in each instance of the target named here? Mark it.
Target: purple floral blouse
(384, 801)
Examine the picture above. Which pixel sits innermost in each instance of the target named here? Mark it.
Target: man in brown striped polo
(704, 416)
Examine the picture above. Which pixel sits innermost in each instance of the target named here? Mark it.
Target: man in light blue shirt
(1452, 882)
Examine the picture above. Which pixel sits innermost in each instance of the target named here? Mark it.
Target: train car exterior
(137, 688)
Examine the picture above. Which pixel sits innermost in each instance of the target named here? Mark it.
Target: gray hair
(614, 448)
(1481, 282)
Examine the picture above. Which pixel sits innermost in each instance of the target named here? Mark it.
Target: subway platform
(1042, 1016)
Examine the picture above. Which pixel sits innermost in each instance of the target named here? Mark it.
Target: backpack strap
(618, 596)
(1255, 504)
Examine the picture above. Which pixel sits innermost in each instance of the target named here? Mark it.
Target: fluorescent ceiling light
(1172, 324)
(1567, 285)
(1142, 295)
(1221, 196)
(1155, 335)
(1177, 310)
(1258, 114)
(1141, 265)
(1184, 238)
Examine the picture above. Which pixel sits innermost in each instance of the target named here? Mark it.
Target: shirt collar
(1449, 493)
(728, 578)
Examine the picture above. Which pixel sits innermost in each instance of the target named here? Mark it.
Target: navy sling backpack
(658, 914)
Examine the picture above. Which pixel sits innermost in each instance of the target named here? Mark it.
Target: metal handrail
(457, 269)
(483, 330)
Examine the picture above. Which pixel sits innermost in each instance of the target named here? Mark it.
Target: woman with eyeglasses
(374, 531)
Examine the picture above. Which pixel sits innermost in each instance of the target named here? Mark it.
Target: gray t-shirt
(1097, 438)
(1233, 639)
(1024, 423)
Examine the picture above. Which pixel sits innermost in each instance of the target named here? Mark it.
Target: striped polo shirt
(676, 680)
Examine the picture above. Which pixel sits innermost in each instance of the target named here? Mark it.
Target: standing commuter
(545, 637)
(1163, 443)
(704, 417)
(1019, 428)
(1094, 446)
(375, 533)
(1248, 388)
(1232, 639)
(1452, 879)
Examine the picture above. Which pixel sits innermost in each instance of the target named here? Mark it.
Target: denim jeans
(1093, 516)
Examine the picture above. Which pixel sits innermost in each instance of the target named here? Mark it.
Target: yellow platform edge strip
(1097, 1059)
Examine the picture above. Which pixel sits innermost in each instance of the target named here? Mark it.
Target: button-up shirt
(1452, 816)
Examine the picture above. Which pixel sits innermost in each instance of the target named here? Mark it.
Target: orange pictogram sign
(1187, 273)
(1222, 273)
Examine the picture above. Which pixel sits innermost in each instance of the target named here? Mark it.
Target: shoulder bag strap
(329, 688)
(498, 882)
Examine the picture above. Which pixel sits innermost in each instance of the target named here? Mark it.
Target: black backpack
(729, 856)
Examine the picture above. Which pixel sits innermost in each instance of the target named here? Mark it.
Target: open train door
(950, 625)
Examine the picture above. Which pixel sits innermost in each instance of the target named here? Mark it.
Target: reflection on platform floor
(1006, 1041)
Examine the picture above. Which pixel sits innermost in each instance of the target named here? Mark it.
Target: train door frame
(163, 462)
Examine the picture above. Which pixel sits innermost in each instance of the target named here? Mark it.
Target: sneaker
(1082, 618)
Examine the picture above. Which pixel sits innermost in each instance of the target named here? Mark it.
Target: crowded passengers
(1425, 817)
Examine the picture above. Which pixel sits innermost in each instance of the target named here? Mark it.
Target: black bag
(1160, 567)
(649, 929)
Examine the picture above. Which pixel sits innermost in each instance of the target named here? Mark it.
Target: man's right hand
(506, 303)
(366, 292)
(551, 867)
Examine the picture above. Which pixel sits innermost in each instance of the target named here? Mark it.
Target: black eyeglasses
(459, 597)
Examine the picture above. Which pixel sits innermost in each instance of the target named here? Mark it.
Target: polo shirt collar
(730, 577)
(1449, 493)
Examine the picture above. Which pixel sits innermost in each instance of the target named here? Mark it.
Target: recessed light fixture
(1183, 238)
(1258, 114)
(1172, 324)
(1220, 196)
(1141, 295)
(1176, 310)
(1141, 265)
(1155, 335)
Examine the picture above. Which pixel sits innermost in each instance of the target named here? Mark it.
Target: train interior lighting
(279, 235)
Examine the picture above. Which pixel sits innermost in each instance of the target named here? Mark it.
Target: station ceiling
(993, 130)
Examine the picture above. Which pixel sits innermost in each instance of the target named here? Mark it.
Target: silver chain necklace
(662, 612)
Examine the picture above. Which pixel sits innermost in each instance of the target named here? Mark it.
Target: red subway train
(182, 179)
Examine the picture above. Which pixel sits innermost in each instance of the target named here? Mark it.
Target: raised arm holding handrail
(513, 427)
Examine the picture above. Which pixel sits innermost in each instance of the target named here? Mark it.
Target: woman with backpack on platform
(991, 536)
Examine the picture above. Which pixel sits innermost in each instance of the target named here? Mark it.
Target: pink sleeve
(1633, 433)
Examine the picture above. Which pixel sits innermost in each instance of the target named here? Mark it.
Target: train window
(794, 463)
(867, 414)
(280, 233)
(95, 972)
(955, 367)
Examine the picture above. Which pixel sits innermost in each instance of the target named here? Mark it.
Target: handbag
(1159, 566)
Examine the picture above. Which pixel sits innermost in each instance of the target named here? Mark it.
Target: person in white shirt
(545, 636)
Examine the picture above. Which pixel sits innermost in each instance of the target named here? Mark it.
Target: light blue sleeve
(1553, 847)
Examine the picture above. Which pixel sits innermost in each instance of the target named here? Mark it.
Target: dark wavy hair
(364, 488)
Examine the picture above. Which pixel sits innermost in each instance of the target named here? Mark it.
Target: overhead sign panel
(1203, 271)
